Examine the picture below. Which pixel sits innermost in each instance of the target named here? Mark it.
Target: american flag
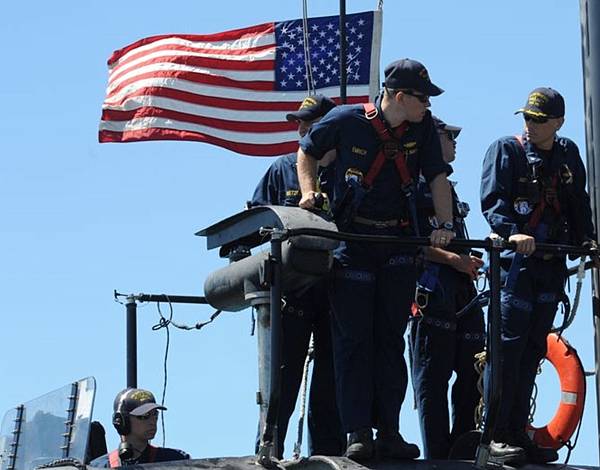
(233, 89)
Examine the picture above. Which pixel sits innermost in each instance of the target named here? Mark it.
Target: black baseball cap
(453, 130)
(312, 107)
(545, 103)
(410, 74)
(135, 402)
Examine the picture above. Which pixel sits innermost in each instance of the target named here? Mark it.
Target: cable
(164, 323)
(304, 385)
(310, 87)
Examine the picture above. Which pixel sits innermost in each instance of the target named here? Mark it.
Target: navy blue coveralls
(373, 283)
(303, 314)
(516, 179)
(441, 344)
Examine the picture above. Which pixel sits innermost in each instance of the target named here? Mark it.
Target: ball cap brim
(311, 108)
(146, 408)
(439, 124)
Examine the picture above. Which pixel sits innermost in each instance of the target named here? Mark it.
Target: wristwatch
(448, 225)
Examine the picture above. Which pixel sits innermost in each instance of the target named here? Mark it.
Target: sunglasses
(536, 119)
(422, 98)
(448, 134)
(152, 414)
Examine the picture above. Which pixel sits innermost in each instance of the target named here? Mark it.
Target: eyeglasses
(422, 98)
(536, 119)
(448, 134)
(152, 414)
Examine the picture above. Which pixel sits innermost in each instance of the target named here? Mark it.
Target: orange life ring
(572, 395)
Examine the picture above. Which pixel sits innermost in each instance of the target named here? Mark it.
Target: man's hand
(441, 237)
(525, 243)
(467, 264)
(308, 200)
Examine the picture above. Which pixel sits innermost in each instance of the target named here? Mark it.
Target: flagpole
(343, 75)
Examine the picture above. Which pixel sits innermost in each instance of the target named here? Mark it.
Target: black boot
(392, 445)
(360, 445)
(535, 453)
(503, 453)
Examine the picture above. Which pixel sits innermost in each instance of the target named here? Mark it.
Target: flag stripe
(244, 113)
(263, 61)
(234, 136)
(242, 125)
(165, 78)
(162, 69)
(259, 150)
(222, 40)
(232, 54)
(118, 100)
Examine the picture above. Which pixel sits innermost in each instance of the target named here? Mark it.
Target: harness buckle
(421, 298)
(372, 113)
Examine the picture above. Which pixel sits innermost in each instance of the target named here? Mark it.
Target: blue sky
(80, 219)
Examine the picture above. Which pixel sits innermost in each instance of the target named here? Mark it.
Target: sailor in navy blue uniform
(135, 418)
(441, 343)
(532, 190)
(380, 148)
(305, 313)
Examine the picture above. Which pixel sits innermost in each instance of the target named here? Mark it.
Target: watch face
(448, 225)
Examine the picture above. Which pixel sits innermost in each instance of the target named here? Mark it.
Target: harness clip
(372, 113)
(421, 298)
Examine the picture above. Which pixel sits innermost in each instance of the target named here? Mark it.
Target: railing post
(131, 346)
(494, 352)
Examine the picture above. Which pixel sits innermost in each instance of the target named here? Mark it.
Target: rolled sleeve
(432, 162)
(323, 135)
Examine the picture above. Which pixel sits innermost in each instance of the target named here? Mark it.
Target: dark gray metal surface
(243, 227)
(590, 51)
(226, 288)
(331, 463)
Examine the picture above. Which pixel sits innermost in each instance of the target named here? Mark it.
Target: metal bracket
(66, 447)
(14, 445)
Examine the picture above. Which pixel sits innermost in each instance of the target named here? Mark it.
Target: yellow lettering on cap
(424, 74)
(307, 103)
(537, 99)
(359, 151)
(142, 395)
(408, 145)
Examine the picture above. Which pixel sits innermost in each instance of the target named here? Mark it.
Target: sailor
(442, 343)
(306, 313)
(380, 147)
(135, 417)
(532, 191)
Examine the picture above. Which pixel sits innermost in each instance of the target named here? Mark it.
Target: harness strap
(536, 215)
(386, 137)
(113, 459)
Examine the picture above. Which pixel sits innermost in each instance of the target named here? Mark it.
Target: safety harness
(115, 461)
(548, 199)
(390, 149)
